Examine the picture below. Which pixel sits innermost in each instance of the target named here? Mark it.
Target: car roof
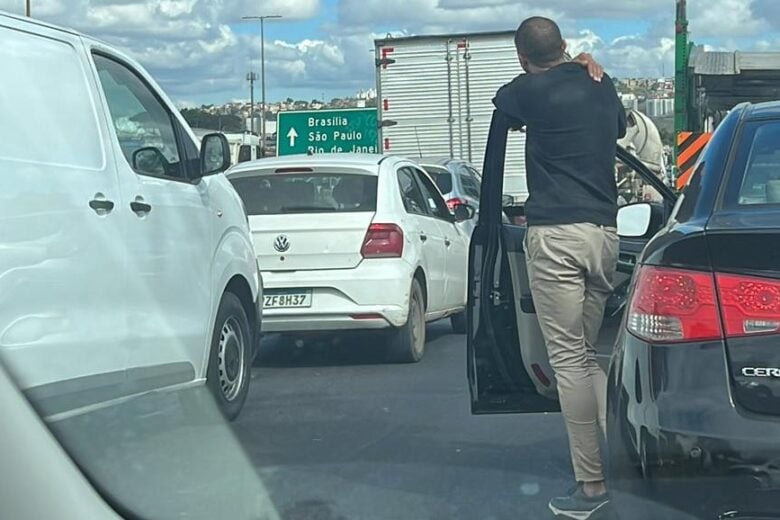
(34, 21)
(367, 162)
(439, 161)
(767, 110)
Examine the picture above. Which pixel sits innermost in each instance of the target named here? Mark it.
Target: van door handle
(423, 237)
(140, 207)
(101, 205)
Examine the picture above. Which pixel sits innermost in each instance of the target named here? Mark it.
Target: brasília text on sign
(351, 130)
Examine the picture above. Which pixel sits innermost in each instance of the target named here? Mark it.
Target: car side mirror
(150, 160)
(463, 212)
(214, 154)
(634, 220)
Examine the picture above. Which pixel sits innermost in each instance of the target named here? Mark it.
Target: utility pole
(681, 87)
(28, 8)
(251, 77)
(262, 70)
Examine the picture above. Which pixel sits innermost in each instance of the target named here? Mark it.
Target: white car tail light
(383, 241)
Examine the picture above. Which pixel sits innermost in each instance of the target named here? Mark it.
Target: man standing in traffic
(572, 126)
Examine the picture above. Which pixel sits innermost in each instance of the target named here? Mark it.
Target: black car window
(632, 187)
(413, 199)
(757, 162)
(435, 203)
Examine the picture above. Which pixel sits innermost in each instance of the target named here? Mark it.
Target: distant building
(659, 107)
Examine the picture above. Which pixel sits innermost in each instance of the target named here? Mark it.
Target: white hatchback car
(350, 242)
(126, 264)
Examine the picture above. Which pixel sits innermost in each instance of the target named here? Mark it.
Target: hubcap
(231, 359)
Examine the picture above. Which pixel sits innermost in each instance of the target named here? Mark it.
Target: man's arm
(595, 70)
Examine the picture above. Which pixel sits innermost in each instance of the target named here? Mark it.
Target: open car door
(507, 363)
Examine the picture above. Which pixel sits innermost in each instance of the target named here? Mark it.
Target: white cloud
(196, 51)
(724, 18)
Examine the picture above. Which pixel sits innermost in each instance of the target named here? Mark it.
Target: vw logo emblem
(282, 243)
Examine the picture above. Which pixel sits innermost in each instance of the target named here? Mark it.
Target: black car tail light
(749, 305)
(674, 306)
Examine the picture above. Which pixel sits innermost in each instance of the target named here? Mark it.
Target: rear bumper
(675, 432)
(374, 295)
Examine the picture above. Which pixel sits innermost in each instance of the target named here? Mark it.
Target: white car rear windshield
(307, 193)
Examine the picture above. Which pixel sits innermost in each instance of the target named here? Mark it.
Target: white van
(126, 264)
(244, 147)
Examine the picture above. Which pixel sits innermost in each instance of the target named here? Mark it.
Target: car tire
(407, 343)
(228, 371)
(458, 322)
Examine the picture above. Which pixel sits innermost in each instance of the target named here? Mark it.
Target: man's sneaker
(578, 505)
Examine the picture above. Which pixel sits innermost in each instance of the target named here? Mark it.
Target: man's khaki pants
(570, 268)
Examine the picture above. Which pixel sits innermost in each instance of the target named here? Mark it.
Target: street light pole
(27, 8)
(251, 77)
(262, 71)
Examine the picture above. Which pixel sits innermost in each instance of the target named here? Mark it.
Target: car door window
(632, 188)
(442, 177)
(433, 200)
(413, 199)
(144, 126)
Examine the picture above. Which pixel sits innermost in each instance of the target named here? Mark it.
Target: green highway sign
(327, 131)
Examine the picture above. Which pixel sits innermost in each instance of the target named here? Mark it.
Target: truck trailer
(435, 98)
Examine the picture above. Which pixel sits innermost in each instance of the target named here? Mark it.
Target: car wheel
(458, 322)
(228, 372)
(407, 343)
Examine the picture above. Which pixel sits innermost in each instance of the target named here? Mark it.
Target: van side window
(47, 115)
(143, 124)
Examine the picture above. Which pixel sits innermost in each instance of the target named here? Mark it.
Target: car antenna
(417, 136)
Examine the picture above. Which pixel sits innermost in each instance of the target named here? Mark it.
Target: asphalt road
(336, 434)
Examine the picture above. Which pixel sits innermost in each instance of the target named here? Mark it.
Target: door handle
(423, 237)
(101, 205)
(447, 242)
(140, 207)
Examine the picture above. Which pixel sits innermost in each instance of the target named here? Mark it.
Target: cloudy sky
(200, 50)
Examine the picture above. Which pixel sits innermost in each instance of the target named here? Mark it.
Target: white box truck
(435, 98)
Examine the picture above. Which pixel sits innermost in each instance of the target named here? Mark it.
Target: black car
(691, 336)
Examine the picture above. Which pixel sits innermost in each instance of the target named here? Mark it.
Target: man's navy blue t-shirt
(572, 127)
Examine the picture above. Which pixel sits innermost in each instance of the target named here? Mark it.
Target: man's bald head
(539, 40)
